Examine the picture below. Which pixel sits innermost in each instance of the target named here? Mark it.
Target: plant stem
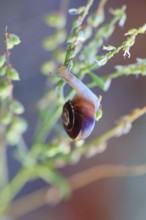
(48, 124)
(12, 188)
(72, 45)
(118, 130)
(100, 7)
(77, 181)
(3, 167)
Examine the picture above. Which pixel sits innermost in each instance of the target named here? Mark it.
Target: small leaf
(5, 89)
(55, 20)
(109, 48)
(71, 39)
(122, 20)
(75, 11)
(48, 67)
(12, 41)
(6, 118)
(52, 42)
(118, 11)
(17, 127)
(13, 74)
(101, 60)
(87, 32)
(59, 55)
(76, 24)
(16, 107)
(131, 32)
(80, 36)
(60, 36)
(95, 20)
(72, 54)
(49, 43)
(99, 114)
(72, 11)
(2, 60)
(3, 71)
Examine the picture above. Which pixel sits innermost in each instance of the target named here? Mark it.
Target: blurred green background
(108, 199)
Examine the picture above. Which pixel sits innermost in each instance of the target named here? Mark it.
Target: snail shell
(78, 117)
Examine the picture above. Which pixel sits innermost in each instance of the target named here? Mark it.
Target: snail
(79, 114)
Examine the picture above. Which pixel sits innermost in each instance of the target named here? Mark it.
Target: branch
(76, 27)
(77, 181)
(124, 125)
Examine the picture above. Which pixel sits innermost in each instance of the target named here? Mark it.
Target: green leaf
(2, 60)
(71, 39)
(3, 71)
(16, 107)
(17, 127)
(99, 114)
(13, 74)
(6, 118)
(76, 24)
(12, 41)
(95, 20)
(48, 67)
(53, 41)
(75, 11)
(49, 44)
(55, 20)
(109, 48)
(60, 36)
(5, 89)
(122, 20)
(59, 55)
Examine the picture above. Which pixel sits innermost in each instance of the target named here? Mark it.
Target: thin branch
(123, 127)
(100, 7)
(71, 46)
(50, 195)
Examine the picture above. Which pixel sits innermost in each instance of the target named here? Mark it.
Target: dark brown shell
(78, 117)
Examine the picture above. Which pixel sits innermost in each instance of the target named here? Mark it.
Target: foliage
(84, 55)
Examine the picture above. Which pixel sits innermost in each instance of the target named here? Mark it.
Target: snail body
(78, 115)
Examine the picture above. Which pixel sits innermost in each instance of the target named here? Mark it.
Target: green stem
(11, 189)
(48, 124)
(72, 45)
(3, 167)
(118, 130)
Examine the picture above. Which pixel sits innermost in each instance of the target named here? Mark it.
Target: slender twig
(122, 127)
(3, 166)
(71, 46)
(47, 195)
(3, 151)
(100, 7)
(6, 46)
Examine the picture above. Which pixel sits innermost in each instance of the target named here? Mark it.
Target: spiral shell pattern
(78, 117)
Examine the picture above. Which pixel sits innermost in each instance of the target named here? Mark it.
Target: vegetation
(83, 56)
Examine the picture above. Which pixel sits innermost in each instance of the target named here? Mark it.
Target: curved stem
(11, 189)
(77, 181)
